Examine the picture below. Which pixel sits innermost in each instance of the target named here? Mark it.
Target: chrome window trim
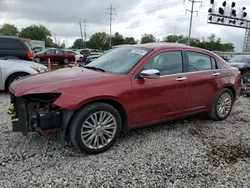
(186, 73)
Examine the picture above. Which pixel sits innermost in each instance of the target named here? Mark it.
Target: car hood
(238, 64)
(55, 81)
(26, 63)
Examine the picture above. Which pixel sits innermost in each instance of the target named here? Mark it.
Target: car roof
(164, 45)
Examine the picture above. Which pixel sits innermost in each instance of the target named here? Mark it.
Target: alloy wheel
(224, 105)
(98, 130)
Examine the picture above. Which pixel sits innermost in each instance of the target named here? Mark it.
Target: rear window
(10, 44)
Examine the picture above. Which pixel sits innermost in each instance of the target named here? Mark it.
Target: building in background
(33, 44)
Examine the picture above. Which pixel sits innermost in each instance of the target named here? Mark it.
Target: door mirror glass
(150, 74)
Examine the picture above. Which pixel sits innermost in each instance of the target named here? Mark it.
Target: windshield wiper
(94, 68)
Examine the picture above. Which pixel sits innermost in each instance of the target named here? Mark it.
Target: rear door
(204, 80)
(12, 47)
(162, 98)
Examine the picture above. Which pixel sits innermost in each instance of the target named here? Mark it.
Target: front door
(159, 99)
(50, 54)
(59, 56)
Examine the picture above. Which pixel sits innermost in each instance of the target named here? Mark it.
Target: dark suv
(14, 47)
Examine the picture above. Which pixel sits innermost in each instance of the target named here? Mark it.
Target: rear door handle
(216, 74)
(181, 79)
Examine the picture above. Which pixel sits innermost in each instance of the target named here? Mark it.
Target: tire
(84, 115)
(214, 113)
(13, 78)
(66, 61)
(248, 95)
(38, 60)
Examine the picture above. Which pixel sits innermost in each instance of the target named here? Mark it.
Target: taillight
(240, 78)
(29, 55)
(239, 73)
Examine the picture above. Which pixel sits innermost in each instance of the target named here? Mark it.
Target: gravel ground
(187, 153)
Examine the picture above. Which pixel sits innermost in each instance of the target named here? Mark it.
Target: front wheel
(223, 105)
(95, 128)
(38, 60)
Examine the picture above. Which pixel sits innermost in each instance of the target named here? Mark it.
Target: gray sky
(134, 17)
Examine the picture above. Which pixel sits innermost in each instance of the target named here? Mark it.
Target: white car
(13, 69)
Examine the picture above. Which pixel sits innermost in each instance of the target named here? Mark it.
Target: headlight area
(36, 113)
(40, 70)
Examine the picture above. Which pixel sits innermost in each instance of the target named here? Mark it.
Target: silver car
(13, 69)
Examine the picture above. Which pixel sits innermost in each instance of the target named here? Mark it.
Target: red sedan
(127, 87)
(55, 55)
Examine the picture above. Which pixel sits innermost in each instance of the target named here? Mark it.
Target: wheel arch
(112, 102)
(10, 75)
(231, 88)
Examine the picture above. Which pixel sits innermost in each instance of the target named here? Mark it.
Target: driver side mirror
(150, 74)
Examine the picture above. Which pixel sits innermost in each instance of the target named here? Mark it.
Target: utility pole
(66, 42)
(175, 30)
(191, 18)
(85, 32)
(55, 39)
(111, 18)
(80, 23)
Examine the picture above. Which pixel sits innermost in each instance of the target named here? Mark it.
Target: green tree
(129, 40)
(211, 43)
(62, 45)
(35, 32)
(117, 39)
(147, 38)
(9, 30)
(78, 44)
(99, 40)
(49, 42)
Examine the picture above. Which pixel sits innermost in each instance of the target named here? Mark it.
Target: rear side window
(10, 44)
(50, 52)
(200, 62)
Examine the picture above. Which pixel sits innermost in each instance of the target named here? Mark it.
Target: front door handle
(216, 74)
(181, 79)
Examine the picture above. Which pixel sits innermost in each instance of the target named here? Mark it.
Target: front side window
(119, 60)
(50, 52)
(167, 63)
(59, 52)
(200, 62)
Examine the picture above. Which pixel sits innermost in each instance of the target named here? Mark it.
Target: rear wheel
(14, 78)
(66, 61)
(95, 128)
(223, 105)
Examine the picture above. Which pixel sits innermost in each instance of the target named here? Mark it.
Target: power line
(191, 18)
(111, 18)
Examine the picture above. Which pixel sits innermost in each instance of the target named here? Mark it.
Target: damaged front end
(37, 113)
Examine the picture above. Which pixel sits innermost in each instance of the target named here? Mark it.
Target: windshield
(240, 59)
(119, 60)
